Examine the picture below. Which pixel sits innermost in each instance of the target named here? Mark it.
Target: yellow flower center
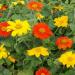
(38, 50)
(70, 58)
(18, 26)
(42, 30)
(34, 5)
(42, 73)
(63, 41)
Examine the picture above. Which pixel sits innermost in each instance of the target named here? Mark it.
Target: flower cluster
(37, 35)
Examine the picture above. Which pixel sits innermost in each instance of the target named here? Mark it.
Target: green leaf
(7, 72)
(26, 72)
(70, 72)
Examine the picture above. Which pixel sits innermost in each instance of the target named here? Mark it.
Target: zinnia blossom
(68, 59)
(37, 6)
(3, 52)
(12, 59)
(38, 51)
(43, 71)
(18, 27)
(42, 31)
(64, 42)
(3, 29)
(61, 21)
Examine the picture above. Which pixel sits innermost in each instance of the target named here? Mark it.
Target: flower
(3, 29)
(37, 6)
(64, 42)
(42, 71)
(3, 7)
(18, 2)
(18, 27)
(59, 7)
(61, 21)
(39, 16)
(38, 51)
(68, 59)
(42, 31)
(12, 59)
(3, 52)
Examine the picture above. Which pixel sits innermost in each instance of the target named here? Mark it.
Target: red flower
(42, 71)
(3, 32)
(64, 42)
(4, 7)
(42, 31)
(37, 6)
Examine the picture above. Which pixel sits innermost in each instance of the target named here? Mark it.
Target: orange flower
(37, 6)
(3, 29)
(4, 7)
(42, 31)
(42, 71)
(64, 42)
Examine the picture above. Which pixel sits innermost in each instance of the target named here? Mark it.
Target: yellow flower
(18, 2)
(38, 51)
(18, 27)
(59, 7)
(67, 59)
(3, 52)
(61, 21)
(12, 59)
(39, 16)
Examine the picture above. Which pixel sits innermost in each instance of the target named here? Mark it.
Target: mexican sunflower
(3, 29)
(42, 31)
(42, 71)
(68, 59)
(64, 42)
(37, 6)
(18, 27)
(38, 51)
(61, 21)
(3, 52)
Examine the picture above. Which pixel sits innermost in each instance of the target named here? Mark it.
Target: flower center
(18, 26)
(63, 41)
(38, 50)
(70, 58)
(42, 73)
(42, 30)
(3, 28)
(34, 5)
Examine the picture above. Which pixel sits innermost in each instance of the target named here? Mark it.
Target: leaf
(70, 72)
(7, 72)
(26, 72)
